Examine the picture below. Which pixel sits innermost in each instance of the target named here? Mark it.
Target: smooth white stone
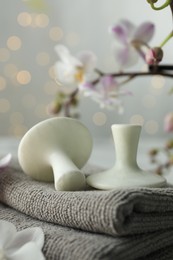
(55, 150)
(126, 172)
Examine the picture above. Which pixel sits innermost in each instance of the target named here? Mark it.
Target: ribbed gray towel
(123, 212)
(63, 243)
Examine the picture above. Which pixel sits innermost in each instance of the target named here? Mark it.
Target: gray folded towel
(63, 243)
(123, 212)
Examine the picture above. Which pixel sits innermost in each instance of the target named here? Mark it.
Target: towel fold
(63, 243)
(116, 212)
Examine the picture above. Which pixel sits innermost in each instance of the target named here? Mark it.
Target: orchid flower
(132, 39)
(21, 245)
(4, 162)
(73, 70)
(168, 122)
(106, 93)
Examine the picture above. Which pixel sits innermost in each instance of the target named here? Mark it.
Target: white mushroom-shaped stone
(55, 150)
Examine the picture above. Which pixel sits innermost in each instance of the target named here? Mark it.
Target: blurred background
(29, 31)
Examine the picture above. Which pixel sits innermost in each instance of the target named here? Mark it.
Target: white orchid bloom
(21, 245)
(73, 70)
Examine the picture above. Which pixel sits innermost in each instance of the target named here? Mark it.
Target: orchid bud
(168, 122)
(154, 56)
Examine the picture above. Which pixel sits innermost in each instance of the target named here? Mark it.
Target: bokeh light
(24, 19)
(137, 119)
(41, 20)
(14, 43)
(56, 34)
(4, 54)
(23, 77)
(99, 118)
(151, 127)
(158, 82)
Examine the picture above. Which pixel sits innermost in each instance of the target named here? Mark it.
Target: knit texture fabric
(124, 212)
(119, 224)
(63, 243)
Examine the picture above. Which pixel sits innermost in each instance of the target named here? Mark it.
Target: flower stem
(138, 73)
(68, 103)
(153, 70)
(168, 2)
(170, 35)
(126, 80)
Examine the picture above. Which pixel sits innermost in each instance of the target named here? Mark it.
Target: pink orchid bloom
(106, 93)
(168, 122)
(4, 162)
(73, 69)
(131, 38)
